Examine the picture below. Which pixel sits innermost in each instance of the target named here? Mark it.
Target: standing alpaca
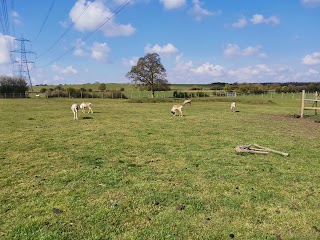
(84, 105)
(233, 107)
(74, 109)
(179, 107)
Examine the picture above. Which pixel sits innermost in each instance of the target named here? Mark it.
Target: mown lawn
(133, 171)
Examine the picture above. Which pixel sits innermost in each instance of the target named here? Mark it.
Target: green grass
(133, 171)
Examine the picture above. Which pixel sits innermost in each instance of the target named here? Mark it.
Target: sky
(198, 41)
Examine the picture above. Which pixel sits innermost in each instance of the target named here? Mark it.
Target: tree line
(13, 85)
(260, 88)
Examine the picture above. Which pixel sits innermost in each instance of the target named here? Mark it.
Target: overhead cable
(116, 11)
(45, 20)
(65, 32)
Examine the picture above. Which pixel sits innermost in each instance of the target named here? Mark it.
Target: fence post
(302, 103)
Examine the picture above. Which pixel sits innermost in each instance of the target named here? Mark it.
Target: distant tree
(284, 89)
(102, 87)
(227, 87)
(59, 87)
(43, 90)
(149, 73)
(71, 90)
(13, 84)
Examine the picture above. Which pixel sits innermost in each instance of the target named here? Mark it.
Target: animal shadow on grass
(87, 117)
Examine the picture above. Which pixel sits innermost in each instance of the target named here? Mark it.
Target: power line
(45, 20)
(65, 32)
(116, 11)
(12, 17)
(5, 26)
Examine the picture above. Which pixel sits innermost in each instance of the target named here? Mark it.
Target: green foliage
(12, 85)
(149, 73)
(196, 88)
(179, 94)
(43, 90)
(102, 87)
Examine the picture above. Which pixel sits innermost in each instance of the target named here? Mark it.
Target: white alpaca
(179, 107)
(233, 107)
(74, 109)
(86, 105)
(176, 108)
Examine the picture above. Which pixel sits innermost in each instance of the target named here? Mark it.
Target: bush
(13, 85)
(196, 88)
(115, 95)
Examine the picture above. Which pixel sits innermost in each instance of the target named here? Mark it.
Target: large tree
(149, 73)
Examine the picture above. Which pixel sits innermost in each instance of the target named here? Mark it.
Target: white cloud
(78, 52)
(312, 72)
(199, 12)
(312, 59)
(255, 19)
(209, 69)
(130, 62)
(233, 50)
(311, 3)
(166, 49)
(99, 51)
(241, 23)
(16, 17)
(186, 72)
(57, 78)
(260, 19)
(94, 16)
(66, 70)
(255, 73)
(172, 4)
(251, 50)
(5, 43)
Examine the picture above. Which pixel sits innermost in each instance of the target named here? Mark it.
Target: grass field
(134, 171)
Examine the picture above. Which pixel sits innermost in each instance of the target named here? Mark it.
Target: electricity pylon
(22, 63)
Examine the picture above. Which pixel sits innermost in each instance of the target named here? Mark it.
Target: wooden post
(302, 103)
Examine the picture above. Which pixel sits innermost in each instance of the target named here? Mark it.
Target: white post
(302, 103)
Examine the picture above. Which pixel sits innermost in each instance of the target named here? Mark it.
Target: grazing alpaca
(233, 107)
(179, 107)
(175, 108)
(84, 105)
(74, 109)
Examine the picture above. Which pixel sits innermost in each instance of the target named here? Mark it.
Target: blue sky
(199, 42)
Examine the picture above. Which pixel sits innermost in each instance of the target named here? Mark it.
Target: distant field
(117, 86)
(134, 171)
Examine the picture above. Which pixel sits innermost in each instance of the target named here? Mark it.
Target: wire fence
(147, 94)
(14, 95)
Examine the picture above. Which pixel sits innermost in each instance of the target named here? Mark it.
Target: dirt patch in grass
(308, 124)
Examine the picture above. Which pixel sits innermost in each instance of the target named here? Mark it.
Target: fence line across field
(158, 94)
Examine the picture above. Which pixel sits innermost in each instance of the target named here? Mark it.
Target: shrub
(13, 85)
